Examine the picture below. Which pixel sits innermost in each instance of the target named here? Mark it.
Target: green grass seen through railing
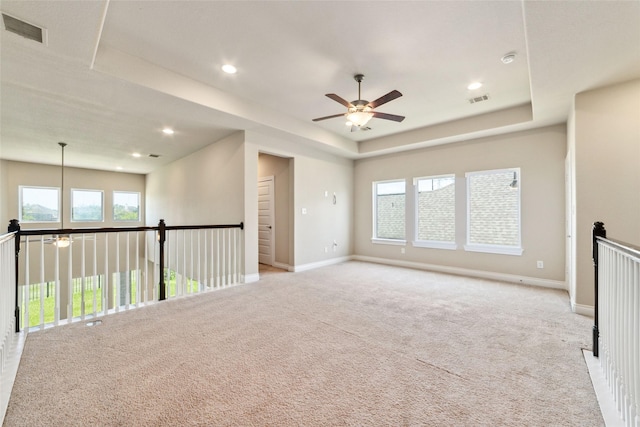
(192, 286)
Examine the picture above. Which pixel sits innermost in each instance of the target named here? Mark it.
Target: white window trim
(433, 244)
(113, 206)
(495, 249)
(396, 242)
(102, 205)
(22, 221)
(374, 193)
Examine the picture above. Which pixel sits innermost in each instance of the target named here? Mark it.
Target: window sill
(494, 249)
(433, 244)
(389, 242)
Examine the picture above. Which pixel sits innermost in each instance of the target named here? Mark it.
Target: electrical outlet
(326, 249)
(304, 211)
(540, 264)
(401, 250)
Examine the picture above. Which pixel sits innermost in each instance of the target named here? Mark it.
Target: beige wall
(218, 184)
(315, 173)
(16, 174)
(279, 168)
(32, 174)
(206, 187)
(4, 212)
(607, 173)
(540, 156)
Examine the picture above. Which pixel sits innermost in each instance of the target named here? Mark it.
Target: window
(86, 205)
(493, 211)
(39, 204)
(126, 206)
(389, 212)
(435, 212)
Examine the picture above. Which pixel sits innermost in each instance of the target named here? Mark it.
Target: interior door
(266, 252)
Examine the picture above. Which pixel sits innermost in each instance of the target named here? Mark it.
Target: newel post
(597, 231)
(14, 226)
(161, 239)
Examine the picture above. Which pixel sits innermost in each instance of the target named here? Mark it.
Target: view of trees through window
(126, 206)
(39, 204)
(86, 205)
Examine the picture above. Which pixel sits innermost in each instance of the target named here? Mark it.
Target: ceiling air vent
(478, 99)
(155, 156)
(22, 28)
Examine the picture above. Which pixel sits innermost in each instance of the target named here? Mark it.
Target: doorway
(266, 226)
(275, 212)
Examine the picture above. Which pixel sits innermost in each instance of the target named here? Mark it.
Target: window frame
(374, 223)
(433, 244)
(113, 205)
(493, 248)
(21, 201)
(73, 190)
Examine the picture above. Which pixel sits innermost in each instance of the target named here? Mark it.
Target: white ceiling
(112, 74)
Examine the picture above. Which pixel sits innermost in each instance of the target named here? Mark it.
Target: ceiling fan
(359, 112)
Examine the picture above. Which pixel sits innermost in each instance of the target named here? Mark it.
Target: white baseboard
(311, 266)
(607, 403)
(585, 310)
(533, 281)
(14, 346)
(249, 278)
(282, 266)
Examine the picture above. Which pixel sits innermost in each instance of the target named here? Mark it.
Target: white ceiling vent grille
(478, 99)
(22, 28)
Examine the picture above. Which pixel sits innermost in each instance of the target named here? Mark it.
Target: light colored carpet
(353, 344)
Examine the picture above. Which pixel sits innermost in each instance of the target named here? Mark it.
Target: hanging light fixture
(62, 241)
(359, 115)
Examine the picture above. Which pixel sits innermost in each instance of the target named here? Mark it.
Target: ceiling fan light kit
(360, 111)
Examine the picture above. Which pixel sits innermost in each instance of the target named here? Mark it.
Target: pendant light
(62, 241)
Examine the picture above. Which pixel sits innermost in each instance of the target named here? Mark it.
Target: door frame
(271, 180)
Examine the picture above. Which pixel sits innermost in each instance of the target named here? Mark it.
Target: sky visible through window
(395, 187)
(126, 199)
(47, 197)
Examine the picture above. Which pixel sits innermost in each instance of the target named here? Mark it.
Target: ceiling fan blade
(339, 100)
(329, 117)
(385, 98)
(388, 116)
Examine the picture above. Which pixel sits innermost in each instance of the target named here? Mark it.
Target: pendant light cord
(62, 144)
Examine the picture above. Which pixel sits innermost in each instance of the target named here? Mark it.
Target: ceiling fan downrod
(359, 78)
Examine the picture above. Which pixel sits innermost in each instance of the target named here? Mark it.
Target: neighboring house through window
(435, 216)
(389, 212)
(493, 211)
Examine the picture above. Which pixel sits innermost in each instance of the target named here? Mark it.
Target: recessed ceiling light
(509, 58)
(168, 131)
(136, 155)
(474, 86)
(119, 168)
(229, 69)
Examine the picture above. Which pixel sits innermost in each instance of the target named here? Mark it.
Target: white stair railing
(8, 335)
(617, 330)
(108, 270)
